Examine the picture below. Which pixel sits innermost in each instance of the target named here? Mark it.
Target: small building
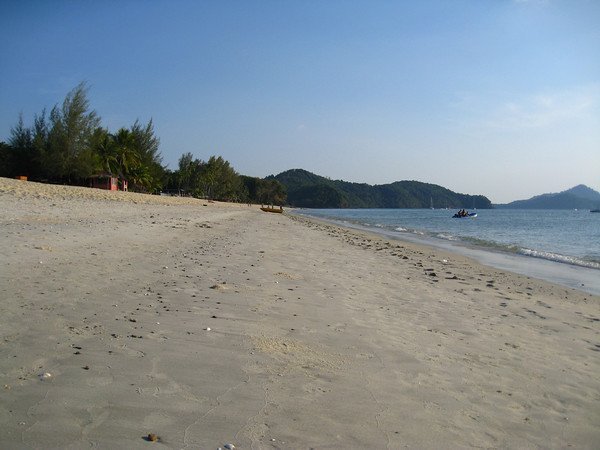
(108, 182)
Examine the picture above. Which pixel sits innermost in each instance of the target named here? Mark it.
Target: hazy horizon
(494, 98)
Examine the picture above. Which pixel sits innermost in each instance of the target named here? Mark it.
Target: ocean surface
(563, 243)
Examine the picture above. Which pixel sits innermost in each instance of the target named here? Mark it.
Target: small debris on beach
(45, 376)
(152, 437)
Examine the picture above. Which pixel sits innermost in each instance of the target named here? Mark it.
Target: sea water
(559, 245)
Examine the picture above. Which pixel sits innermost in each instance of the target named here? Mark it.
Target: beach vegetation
(70, 146)
(147, 174)
(264, 191)
(23, 151)
(68, 156)
(6, 160)
(187, 178)
(218, 180)
(103, 143)
(213, 179)
(271, 192)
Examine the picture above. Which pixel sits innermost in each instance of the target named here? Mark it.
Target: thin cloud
(545, 110)
(538, 111)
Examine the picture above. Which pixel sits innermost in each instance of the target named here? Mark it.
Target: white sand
(319, 337)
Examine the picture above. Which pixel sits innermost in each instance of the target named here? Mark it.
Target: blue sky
(492, 97)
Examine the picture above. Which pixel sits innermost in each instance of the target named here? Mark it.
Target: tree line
(70, 146)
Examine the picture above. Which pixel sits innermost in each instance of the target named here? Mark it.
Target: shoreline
(573, 276)
(208, 325)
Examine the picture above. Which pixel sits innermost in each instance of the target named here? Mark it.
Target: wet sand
(577, 277)
(207, 324)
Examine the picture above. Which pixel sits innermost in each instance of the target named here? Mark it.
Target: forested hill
(578, 197)
(307, 190)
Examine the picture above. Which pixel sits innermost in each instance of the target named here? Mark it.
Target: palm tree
(127, 158)
(106, 150)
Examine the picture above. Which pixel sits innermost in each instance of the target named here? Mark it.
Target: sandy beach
(205, 324)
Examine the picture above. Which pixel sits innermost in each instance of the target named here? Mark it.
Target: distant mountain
(582, 191)
(305, 189)
(578, 197)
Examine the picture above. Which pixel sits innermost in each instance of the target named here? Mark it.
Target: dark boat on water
(462, 214)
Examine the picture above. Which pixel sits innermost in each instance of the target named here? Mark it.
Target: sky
(492, 97)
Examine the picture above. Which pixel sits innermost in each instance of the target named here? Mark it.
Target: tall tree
(185, 172)
(104, 146)
(127, 157)
(20, 135)
(39, 138)
(271, 192)
(6, 160)
(146, 145)
(21, 144)
(219, 180)
(69, 155)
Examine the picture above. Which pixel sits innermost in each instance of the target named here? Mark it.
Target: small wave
(492, 245)
(447, 237)
(559, 258)
(400, 229)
